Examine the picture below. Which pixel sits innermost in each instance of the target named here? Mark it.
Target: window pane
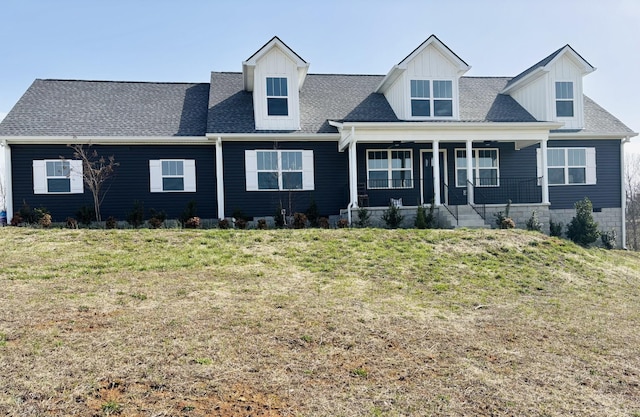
(292, 180)
(401, 179)
(556, 176)
(58, 168)
(378, 160)
(420, 108)
(488, 177)
(400, 159)
(488, 158)
(461, 158)
(564, 90)
(267, 161)
(173, 184)
(378, 179)
(267, 181)
(555, 157)
(443, 108)
(577, 157)
(276, 86)
(462, 177)
(577, 176)
(292, 161)
(58, 185)
(420, 89)
(442, 89)
(564, 108)
(277, 107)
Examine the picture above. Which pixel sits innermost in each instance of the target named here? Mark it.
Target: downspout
(5, 177)
(624, 192)
(353, 176)
(219, 178)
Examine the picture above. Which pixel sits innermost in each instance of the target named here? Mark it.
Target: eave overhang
(104, 140)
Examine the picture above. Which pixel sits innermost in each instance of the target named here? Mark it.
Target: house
(275, 136)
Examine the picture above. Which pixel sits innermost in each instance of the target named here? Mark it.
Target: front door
(427, 176)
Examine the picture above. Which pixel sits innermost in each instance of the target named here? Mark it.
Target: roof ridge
(119, 81)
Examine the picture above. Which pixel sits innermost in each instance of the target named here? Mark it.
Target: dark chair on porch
(363, 196)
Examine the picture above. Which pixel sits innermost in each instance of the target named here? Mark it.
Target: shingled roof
(109, 108)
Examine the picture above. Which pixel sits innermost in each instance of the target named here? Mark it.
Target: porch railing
(451, 209)
(501, 190)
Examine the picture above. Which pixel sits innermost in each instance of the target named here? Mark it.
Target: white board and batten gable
(425, 84)
(275, 74)
(552, 90)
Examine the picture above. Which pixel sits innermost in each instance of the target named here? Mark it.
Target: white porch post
(545, 177)
(353, 170)
(6, 182)
(436, 173)
(470, 173)
(219, 178)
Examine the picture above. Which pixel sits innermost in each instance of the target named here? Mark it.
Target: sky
(183, 41)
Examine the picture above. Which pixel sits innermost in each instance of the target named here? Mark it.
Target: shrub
(392, 217)
(222, 223)
(26, 213)
(608, 239)
(111, 222)
(342, 223)
(421, 218)
(45, 220)
(279, 217)
(188, 213)
(86, 215)
(582, 229)
(262, 224)
(323, 222)
(299, 220)
(240, 223)
(555, 229)
(16, 220)
(364, 217)
(136, 216)
(71, 223)
(312, 213)
(157, 218)
(503, 221)
(534, 224)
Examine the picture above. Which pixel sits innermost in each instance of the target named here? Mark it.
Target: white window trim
(390, 169)
(477, 167)
(267, 97)
(188, 175)
(431, 99)
(572, 100)
(251, 170)
(590, 167)
(40, 183)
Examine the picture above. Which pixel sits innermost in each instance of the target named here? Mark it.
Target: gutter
(624, 192)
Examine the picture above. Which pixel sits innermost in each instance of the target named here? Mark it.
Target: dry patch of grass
(316, 323)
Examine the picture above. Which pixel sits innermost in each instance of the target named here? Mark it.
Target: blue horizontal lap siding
(331, 177)
(130, 183)
(606, 193)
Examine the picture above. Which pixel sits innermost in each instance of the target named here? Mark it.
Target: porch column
(470, 172)
(545, 172)
(353, 172)
(436, 173)
(219, 179)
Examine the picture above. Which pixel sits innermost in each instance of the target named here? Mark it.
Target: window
(425, 104)
(389, 169)
(57, 176)
(485, 168)
(564, 99)
(279, 170)
(568, 166)
(277, 102)
(172, 175)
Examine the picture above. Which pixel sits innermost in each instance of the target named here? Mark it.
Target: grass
(343, 322)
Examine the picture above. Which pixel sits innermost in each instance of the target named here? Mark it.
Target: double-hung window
(274, 170)
(277, 96)
(485, 166)
(564, 99)
(431, 98)
(389, 168)
(568, 166)
(57, 176)
(172, 175)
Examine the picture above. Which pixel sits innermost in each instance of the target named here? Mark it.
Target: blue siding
(606, 193)
(130, 183)
(331, 176)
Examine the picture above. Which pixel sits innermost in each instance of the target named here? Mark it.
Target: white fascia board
(529, 78)
(445, 126)
(590, 135)
(575, 57)
(389, 79)
(106, 140)
(280, 137)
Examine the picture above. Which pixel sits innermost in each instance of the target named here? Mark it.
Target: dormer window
(277, 97)
(426, 104)
(564, 99)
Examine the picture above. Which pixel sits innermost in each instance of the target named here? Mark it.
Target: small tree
(96, 170)
(583, 230)
(392, 216)
(534, 224)
(364, 217)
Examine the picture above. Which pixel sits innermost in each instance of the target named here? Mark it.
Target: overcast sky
(162, 40)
